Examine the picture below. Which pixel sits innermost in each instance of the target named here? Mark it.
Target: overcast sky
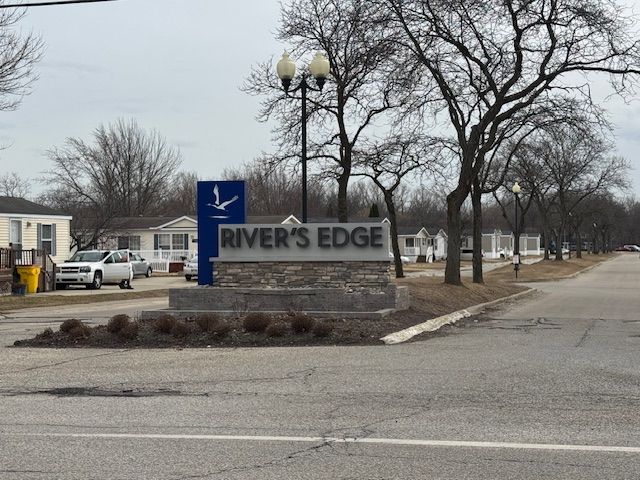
(173, 65)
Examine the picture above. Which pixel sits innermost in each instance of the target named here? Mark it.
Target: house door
(15, 234)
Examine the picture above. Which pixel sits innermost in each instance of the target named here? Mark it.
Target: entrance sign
(218, 203)
(317, 242)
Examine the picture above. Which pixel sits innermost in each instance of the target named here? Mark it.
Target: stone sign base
(363, 302)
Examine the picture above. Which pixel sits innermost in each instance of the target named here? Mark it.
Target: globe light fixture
(319, 69)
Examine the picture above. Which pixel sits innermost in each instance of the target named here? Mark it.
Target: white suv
(93, 268)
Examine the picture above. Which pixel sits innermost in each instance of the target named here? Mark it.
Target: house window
(46, 238)
(162, 241)
(179, 242)
(409, 242)
(132, 242)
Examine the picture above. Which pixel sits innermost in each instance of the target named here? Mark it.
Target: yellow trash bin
(29, 275)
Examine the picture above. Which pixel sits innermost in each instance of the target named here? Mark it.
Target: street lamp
(319, 69)
(516, 235)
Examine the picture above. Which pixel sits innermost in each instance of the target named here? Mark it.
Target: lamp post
(516, 234)
(319, 69)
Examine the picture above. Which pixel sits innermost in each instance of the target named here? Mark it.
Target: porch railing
(10, 258)
(411, 251)
(160, 259)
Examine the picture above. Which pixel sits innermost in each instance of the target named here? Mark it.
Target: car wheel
(149, 272)
(97, 281)
(188, 277)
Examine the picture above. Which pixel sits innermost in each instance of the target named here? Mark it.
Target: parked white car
(94, 268)
(190, 268)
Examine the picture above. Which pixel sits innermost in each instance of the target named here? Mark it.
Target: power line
(52, 3)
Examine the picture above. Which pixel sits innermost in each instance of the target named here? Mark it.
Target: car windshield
(87, 257)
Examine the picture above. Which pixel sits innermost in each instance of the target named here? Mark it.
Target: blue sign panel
(218, 203)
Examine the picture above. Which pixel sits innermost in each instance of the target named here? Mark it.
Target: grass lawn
(12, 302)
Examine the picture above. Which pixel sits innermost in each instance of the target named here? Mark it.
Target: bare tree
(364, 87)
(580, 165)
(181, 198)
(12, 185)
(18, 55)
(125, 172)
(493, 60)
(388, 164)
(555, 113)
(561, 167)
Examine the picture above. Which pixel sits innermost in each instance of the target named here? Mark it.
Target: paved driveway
(546, 388)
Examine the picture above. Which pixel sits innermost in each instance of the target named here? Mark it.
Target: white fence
(160, 259)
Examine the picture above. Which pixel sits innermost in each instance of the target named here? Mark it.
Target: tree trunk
(558, 237)
(578, 244)
(454, 202)
(391, 210)
(476, 200)
(343, 186)
(547, 237)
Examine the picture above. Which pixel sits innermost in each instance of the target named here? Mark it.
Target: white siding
(30, 234)
(4, 232)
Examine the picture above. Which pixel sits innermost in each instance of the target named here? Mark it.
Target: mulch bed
(342, 332)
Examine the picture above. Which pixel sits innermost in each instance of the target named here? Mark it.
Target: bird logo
(218, 205)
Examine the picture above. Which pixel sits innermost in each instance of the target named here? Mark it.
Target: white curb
(449, 319)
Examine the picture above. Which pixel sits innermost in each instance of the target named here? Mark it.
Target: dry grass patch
(432, 297)
(545, 270)
(15, 302)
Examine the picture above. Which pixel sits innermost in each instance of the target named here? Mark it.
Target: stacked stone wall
(301, 274)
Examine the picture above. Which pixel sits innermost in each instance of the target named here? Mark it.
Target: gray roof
(433, 230)
(404, 230)
(151, 222)
(20, 206)
(351, 220)
(144, 222)
(266, 219)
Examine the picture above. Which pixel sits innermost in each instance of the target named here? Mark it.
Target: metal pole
(303, 88)
(516, 237)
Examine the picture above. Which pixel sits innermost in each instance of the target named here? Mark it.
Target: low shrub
(256, 322)
(117, 323)
(46, 333)
(220, 329)
(70, 324)
(301, 323)
(277, 329)
(130, 331)
(80, 331)
(322, 330)
(206, 321)
(181, 330)
(164, 324)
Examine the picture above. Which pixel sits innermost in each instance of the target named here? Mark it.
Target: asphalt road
(548, 388)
